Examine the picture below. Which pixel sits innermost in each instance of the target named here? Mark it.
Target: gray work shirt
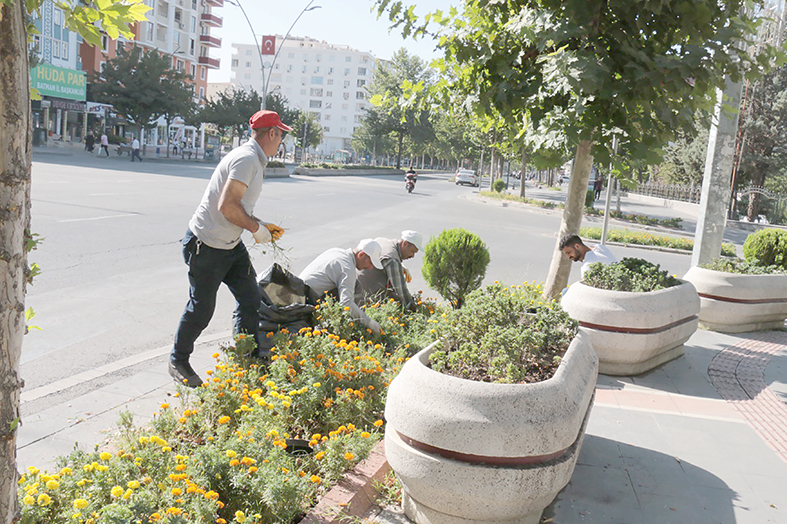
(246, 164)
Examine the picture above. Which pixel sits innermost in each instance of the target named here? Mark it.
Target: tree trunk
(560, 268)
(522, 174)
(15, 159)
(399, 151)
(758, 180)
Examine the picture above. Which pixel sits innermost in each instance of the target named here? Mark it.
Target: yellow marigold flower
(155, 517)
(133, 484)
(253, 469)
(164, 406)
(44, 499)
(348, 456)
(351, 427)
(248, 461)
(285, 470)
(211, 495)
(166, 449)
(366, 434)
(177, 492)
(66, 471)
(81, 483)
(144, 440)
(234, 462)
(240, 517)
(315, 479)
(224, 419)
(231, 454)
(215, 355)
(221, 520)
(52, 485)
(116, 492)
(29, 500)
(127, 494)
(286, 403)
(80, 503)
(174, 511)
(180, 467)
(33, 470)
(378, 423)
(105, 456)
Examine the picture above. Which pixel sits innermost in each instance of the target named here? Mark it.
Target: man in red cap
(212, 247)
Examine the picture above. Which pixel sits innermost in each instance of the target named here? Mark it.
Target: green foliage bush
(516, 198)
(590, 197)
(767, 247)
(503, 334)
(643, 238)
(455, 264)
(499, 185)
(630, 274)
(275, 163)
(743, 267)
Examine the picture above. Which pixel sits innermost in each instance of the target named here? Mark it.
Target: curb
(354, 495)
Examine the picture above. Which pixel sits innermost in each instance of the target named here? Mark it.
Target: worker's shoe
(184, 374)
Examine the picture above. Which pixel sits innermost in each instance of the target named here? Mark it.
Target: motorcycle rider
(410, 177)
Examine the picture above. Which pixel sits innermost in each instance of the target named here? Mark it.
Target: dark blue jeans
(208, 269)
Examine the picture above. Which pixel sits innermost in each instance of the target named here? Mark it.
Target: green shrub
(590, 197)
(767, 247)
(743, 267)
(630, 274)
(503, 334)
(455, 264)
(499, 185)
(643, 238)
(275, 163)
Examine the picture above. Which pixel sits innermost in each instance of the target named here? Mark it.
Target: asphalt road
(114, 284)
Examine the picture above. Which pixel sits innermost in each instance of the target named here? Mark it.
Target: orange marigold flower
(348, 456)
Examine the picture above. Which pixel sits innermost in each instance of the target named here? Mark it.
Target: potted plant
(486, 423)
(745, 295)
(637, 316)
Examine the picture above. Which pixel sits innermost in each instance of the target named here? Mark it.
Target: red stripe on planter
(744, 300)
(638, 331)
(482, 459)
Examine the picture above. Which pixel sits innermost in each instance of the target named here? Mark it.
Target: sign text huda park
(58, 82)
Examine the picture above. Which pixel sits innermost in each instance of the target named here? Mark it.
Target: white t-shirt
(335, 269)
(246, 164)
(135, 144)
(599, 253)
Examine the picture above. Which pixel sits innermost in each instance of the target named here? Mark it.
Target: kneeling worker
(392, 279)
(336, 270)
(574, 249)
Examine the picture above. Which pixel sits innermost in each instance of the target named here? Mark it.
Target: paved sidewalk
(700, 440)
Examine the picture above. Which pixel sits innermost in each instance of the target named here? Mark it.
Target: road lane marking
(98, 218)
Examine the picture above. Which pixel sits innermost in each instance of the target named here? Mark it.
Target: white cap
(373, 249)
(414, 237)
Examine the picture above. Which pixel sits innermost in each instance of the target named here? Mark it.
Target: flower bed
(624, 236)
(250, 445)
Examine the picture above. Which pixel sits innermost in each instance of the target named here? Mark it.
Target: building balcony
(215, 3)
(210, 41)
(211, 19)
(210, 63)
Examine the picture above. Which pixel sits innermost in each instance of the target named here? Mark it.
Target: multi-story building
(328, 80)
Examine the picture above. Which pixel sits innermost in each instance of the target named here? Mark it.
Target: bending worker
(391, 280)
(336, 271)
(573, 247)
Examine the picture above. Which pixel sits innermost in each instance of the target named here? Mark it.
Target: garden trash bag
(286, 303)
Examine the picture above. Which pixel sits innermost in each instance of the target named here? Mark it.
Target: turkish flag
(269, 45)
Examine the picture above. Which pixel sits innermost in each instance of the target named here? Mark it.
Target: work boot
(184, 374)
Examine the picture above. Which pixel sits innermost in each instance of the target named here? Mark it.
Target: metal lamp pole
(259, 50)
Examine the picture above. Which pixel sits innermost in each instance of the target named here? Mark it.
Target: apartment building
(325, 79)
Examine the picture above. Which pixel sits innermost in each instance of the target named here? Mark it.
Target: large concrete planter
(472, 452)
(634, 332)
(735, 303)
(315, 171)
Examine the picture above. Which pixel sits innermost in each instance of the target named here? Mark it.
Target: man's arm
(395, 273)
(231, 208)
(346, 289)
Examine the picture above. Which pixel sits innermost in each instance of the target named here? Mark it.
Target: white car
(467, 176)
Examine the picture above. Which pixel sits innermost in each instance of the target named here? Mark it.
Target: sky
(338, 22)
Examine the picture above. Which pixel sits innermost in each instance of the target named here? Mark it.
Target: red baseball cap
(265, 118)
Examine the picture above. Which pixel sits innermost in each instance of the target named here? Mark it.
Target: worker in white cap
(391, 280)
(335, 271)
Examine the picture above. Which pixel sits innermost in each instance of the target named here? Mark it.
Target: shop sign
(95, 108)
(69, 105)
(58, 82)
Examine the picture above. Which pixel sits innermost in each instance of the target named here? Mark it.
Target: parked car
(467, 176)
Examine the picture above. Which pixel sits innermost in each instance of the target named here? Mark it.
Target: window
(192, 46)
(247, 76)
(343, 130)
(202, 72)
(361, 83)
(248, 64)
(289, 79)
(347, 71)
(330, 70)
(149, 31)
(277, 67)
(316, 91)
(193, 24)
(332, 58)
(306, 58)
(357, 119)
(193, 71)
(179, 65)
(346, 95)
(344, 106)
(316, 69)
(327, 116)
(360, 95)
(330, 81)
(56, 49)
(315, 115)
(289, 68)
(303, 69)
(104, 42)
(326, 129)
(346, 84)
(194, 4)
(303, 92)
(65, 50)
(315, 103)
(248, 52)
(329, 94)
(120, 45)
(317, 80)
(344, 118)
(318, 58)
(348, 59)
(234, 62)
(290, 55)
(201, 93)
(361, 71)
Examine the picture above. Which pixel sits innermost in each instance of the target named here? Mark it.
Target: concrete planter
(306, 171)
(634, 332)
(735, 303)
(472, 452)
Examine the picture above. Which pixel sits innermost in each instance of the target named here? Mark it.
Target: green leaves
(113, 17)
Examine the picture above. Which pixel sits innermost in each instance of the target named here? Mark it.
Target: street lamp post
(309, 7)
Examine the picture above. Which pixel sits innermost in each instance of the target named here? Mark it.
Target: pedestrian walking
(90, 142)
(597, 186)
(104, 144)
(212, 247)
(135, 150)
